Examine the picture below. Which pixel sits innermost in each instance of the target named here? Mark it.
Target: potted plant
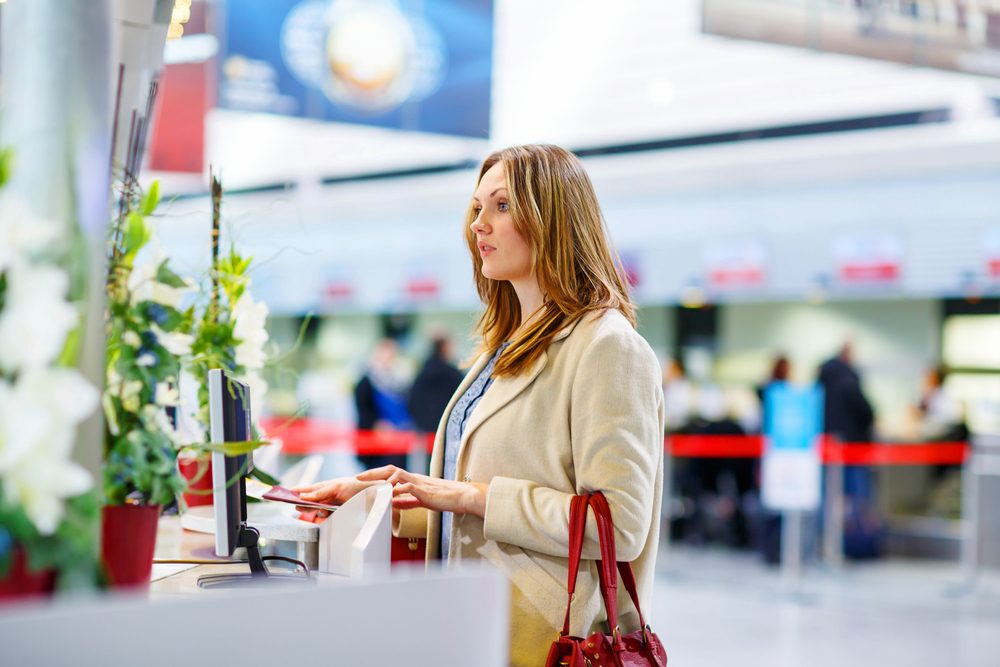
(48, 510)
(229, 330)
(147, 335)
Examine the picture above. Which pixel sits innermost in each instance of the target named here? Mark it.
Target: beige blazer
(587, 416)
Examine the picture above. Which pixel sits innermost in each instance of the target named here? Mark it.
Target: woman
(565, 398)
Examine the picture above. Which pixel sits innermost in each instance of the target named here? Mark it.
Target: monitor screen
(229, 413)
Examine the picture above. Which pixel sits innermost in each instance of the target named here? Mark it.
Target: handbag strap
(577, 527)
(607, 575)
(606, 531)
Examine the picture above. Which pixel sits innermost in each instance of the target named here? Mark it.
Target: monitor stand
(258, 574)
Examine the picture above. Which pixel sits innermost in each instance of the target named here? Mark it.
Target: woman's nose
(478, 226)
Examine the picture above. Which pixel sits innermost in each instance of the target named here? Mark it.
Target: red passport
(283, 495)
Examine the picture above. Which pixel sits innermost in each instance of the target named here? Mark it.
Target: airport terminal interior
(235, 261)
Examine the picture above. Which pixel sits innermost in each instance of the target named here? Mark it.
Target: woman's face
(505, 253)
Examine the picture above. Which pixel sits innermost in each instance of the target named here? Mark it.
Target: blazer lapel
(505, 390)
(501, 392)
(437, 451)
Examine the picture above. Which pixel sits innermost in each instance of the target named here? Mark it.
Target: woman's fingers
(307, 510)
(404, 488)
(406, 502)
(385, 472)
(308, 488)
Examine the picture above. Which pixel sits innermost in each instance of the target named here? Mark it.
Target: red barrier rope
(715, 446)
(894, 454)
(301, 437)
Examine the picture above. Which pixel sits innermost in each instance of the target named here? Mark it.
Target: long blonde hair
(555, 209)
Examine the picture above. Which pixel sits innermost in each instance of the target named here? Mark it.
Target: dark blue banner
(407, 64)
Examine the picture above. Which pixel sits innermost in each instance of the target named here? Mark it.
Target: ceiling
(588, 73)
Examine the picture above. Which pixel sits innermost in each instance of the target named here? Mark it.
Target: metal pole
(833, 515)
(970, 520)
(791, 550)
(57, 118)
(416, 458)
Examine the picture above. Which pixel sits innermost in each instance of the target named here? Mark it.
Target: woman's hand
(411, 490)
(333, 491)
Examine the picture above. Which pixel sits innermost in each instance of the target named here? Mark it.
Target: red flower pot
(21, 582)
(128, 537)
(197, 470)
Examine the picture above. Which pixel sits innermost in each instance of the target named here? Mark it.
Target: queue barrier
(835, 456)
(303, 437)
(832, 451)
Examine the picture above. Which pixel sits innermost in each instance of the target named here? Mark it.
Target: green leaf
(71, 348)
(110, 414)
(6, 163)
(137, 234)
(235, 448)
(167, 277)
(152, 199)
(262, 476)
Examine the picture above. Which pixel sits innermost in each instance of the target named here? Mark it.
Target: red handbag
(641, 647)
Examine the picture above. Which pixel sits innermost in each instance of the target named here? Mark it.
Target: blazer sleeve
(410, 523)
(616, 433)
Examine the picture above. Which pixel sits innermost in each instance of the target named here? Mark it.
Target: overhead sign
(869, 258)
(790, 466)
(993, 253)
(420, 65)
(735, 265)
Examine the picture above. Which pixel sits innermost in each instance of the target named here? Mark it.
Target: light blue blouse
(457, 420)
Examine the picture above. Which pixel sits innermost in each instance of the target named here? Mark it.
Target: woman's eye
(477, 210)
(503, 206)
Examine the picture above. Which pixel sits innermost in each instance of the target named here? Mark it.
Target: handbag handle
(577, 527)
(607, 576)
(605, 530)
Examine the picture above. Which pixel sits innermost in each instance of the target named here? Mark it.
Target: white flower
(176, 343)
(166, 394)
(258, 389)
(38, 417)
(22, 233)
(189, 429)
(250, 319)
(132, 339)
(130, 392)
(36, 317)
(23, 423)
(145, 360)
(155, 418)
(143, 285)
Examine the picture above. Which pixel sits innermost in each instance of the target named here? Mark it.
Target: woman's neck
(531, 300)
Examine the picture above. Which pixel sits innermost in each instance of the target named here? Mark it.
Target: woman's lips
(485, 249)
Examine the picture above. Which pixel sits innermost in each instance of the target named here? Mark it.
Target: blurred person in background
(781, 371)
(678, 396)
(942, 415)
(848, 416)
(722, 483)
(942, 418)
(380, 398)
(770, 521)
(434, 386)
(565, 398)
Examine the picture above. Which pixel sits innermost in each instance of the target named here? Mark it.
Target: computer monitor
(229, 421)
